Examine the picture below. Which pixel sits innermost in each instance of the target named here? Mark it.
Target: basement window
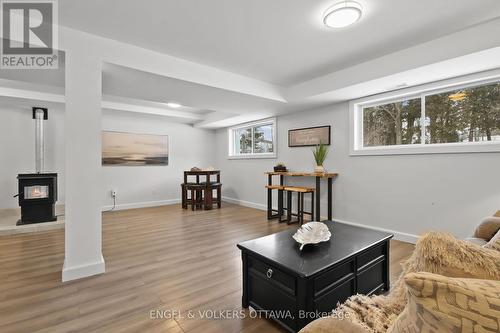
(253, 140)
(460, 118)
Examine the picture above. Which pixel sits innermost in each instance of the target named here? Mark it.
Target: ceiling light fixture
(174, 105)
(342, 14)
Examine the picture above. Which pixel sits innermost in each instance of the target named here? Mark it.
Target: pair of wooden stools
(280, 212)
(200, 196)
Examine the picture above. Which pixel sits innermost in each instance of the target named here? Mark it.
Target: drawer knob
(269, 273)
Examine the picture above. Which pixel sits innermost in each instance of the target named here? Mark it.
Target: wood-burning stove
(37, 192)
(37, 197)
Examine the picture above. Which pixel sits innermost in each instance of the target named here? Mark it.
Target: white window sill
(448, 148)
(251, 157)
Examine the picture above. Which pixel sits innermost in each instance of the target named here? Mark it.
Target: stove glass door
(36, 192)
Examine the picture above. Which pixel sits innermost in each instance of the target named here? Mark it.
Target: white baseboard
(16, 211)
(81, 271)
(8, 212)
(245, 203)
(401, 236)
(142, 204)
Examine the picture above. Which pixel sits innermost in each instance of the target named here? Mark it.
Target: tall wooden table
(208, 175)
(319, 176)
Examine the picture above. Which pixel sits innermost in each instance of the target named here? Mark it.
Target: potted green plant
(320, 153)
(280, 167)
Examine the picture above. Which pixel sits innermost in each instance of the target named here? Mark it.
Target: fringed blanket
(437, 253)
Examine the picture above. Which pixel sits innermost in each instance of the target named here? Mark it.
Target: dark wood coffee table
(295, 287)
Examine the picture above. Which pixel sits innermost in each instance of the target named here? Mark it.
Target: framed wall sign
(134, 149)
(310, 136)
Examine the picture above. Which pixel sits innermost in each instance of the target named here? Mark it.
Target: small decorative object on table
(280, 167)
(195, 169)
(320, 153)
(312, 233)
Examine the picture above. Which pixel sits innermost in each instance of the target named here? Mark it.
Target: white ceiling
(277, 41)
(129, 89)
(278, 47)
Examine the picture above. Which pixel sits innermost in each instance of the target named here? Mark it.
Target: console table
(319, 176)
(279, 278)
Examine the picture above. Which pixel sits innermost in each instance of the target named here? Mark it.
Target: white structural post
(83, 229)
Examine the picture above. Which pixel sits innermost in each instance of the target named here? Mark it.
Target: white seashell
(312, 233)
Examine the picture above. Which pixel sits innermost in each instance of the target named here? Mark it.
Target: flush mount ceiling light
(342, 14)
(174, 105)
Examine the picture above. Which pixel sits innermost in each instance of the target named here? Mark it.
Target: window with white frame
(460, 118)
(253, 140)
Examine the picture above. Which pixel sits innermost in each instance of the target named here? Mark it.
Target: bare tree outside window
(458, 116)
(243, 140)
(256, 139)
(391, 124)
(465, 115)
(263, 139)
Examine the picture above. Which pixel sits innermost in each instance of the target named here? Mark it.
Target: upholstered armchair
(486, 230)
(439, 264)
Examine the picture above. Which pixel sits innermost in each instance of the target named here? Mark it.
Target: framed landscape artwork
(123, 149)
(310, 136)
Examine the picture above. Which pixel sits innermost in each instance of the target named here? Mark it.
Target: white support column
(83, 240)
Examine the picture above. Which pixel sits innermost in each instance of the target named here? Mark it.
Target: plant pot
(319, 169)
(280, 169)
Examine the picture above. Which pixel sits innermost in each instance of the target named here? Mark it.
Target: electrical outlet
(113, 193)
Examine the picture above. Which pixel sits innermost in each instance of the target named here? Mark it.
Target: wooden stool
(196, 199)
(208, 194)
(300, 203)
(270, 209)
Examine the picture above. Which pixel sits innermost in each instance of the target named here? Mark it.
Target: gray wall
(136, 186)
(405, 193)
(408, 194)
(17, 149)
(156, 185)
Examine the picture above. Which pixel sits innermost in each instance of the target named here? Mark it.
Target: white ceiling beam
(212, 118)
(471, 40)
(475, 66)
(28, 91)
(227, 121)
(132, 56)
(23, 90)
(145, 109)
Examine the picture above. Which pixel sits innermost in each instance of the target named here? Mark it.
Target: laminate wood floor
(160, 258)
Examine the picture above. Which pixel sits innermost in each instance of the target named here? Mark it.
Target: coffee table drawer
(328, 301)
(263, 295)
(371, 279)
(333, 277)
(272, 274)
(370, 256)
